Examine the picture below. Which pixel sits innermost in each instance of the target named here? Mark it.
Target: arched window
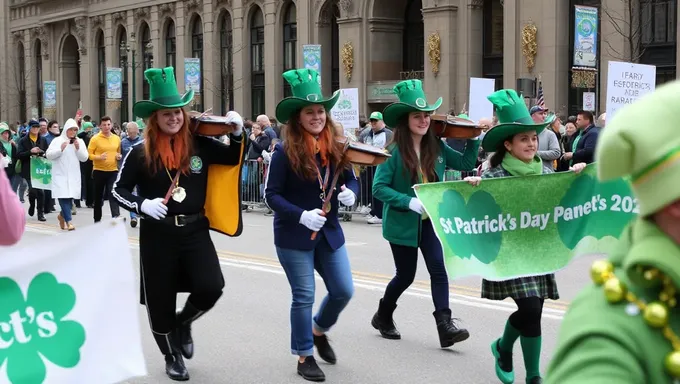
(414, 38)
(101, 73)
(197, 52)
(123, 63)
(257, 95)
(21, 80)
(170, 45)
(289, 43)
(492, 43)
(226, 65)
(146, 50)
(39, 77)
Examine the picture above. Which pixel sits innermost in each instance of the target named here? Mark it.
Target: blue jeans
(334, 269)
(66, 205)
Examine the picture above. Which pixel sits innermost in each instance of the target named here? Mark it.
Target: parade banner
(519, 226)
(114, 83)
(49, 94)
(346, 110)
(192, 74)
(585, 36)
(69, 315)
(311, 56)
(479, 106)
(627, 82)
(41, 173)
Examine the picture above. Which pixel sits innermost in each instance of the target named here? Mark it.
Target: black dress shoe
(41, 217)
(310, 371)
(185, 318)
(175, 368)
(326, 353)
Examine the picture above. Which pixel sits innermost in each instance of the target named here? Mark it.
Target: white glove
(155, 208)
(236, 119)
(347, 197)
(313, 220)
(416, 206)
(266, 156)
(5, 161)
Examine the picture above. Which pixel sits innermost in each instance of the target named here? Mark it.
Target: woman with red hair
(175, 248)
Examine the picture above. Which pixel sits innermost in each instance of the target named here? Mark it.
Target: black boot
(184, 319)
(324, 348)
(174, 364)
(31, 205)
(309, 370)
(449, 333)
(383, 321)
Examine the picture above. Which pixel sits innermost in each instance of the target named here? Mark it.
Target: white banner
(479, 105)
(589, 101)
(69, 310)
(346, 110)
(627, 82)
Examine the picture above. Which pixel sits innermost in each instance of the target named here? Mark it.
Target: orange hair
(162, 150)
(301, 147)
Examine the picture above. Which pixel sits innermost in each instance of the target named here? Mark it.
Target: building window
(257, 63)
(197, 52)
(146, 50)
(123, 64)
(658, 37)
(21, 80)
(101, 73)
(39, 77)
(414, 38)
(575, 95)
(226, 65)
(170, 45)
(289, 44)
(492, 43)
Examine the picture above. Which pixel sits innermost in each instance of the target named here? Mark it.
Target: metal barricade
(252, 184)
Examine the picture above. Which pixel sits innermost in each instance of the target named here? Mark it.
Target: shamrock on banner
(41, 173)
(69, 317)
(518, 226)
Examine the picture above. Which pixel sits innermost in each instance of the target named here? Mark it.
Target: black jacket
(11, 169)
(585, 149)
(24, 153)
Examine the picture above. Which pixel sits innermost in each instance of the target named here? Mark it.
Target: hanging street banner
(520, 226)
(346, 110)
(192, 74)
(114, 83)
(585, 37)
(311, 55)
(627, 82)
(69, 315)
(49, 94)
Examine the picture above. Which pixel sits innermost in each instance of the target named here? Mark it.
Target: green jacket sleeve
(462, 162)
(382, 186)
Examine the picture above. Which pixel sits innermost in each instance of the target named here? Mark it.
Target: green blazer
(392, 186)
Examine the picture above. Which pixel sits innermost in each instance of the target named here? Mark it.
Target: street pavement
(245, 338)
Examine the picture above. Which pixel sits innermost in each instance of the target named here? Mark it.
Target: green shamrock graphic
(42, 170)
(345, 104)
(34, 329)
(457, 217)
(600, 209)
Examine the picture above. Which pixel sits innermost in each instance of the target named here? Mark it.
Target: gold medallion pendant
(179, 194)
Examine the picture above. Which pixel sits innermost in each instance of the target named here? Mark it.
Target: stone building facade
(245, 45)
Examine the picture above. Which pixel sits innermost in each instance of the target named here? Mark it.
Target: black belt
(181, 220)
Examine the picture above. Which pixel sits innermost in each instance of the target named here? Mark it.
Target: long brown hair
(171, 152)
(301, 147)
(429, 151)
(497, 158)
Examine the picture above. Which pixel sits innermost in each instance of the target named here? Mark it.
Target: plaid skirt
(544, 286)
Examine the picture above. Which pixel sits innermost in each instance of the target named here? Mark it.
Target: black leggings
(527, 318)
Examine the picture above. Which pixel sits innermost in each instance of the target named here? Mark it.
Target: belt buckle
(180, 221)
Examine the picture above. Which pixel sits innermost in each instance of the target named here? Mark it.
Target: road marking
(420, 288)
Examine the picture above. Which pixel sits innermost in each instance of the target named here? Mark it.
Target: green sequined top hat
(304, 84)
(411, 99)
(163, 93)
(513, 118)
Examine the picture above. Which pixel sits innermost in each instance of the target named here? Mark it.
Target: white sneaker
(374, 220)
(365, 210)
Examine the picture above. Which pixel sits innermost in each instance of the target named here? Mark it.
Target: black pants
(376, 205)
(36, 197)
(406, 262)
(527, 318)
(103, 182)
(49, 202)
(176, 259)
(86, 183)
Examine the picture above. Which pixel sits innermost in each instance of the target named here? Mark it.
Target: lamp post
(131, 47)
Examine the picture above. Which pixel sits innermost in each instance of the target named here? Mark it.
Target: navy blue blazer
(585, 149)
(289, 195)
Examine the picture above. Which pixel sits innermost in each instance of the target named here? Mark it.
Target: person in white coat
(66, 153)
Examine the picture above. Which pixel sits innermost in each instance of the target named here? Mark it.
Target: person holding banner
(418, 156)
(31, 146)
(307, 233)
(514, 144)
(624, 327)
(172, 171)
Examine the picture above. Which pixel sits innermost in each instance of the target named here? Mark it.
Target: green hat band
(665, 161)
(169, 100)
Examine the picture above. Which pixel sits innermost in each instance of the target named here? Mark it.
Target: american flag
(539, 100)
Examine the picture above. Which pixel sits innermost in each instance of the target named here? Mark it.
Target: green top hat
(163, 93)
(513, 118)
(411, 99)
(304, 84)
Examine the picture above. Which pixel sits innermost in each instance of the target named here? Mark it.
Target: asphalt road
(245, 339)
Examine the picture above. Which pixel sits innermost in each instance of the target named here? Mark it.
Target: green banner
(519, 226)
(41, 173)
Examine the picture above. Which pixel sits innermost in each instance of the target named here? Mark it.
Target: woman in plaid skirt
(514, 143)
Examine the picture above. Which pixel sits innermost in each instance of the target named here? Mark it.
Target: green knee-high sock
(531, 350)
(510, 335)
